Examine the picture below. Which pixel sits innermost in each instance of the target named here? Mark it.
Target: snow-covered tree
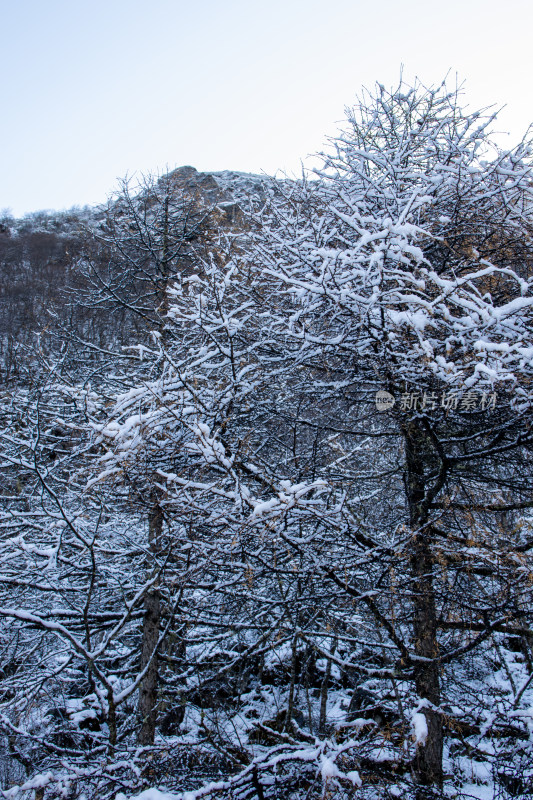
(405, 268)
(71, 598)
(147, 242)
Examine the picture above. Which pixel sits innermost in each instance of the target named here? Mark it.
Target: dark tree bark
(427, 766)
(420, 463)
(150, 636)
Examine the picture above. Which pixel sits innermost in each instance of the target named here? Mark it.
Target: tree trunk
(324, 693)
(152, 601)
(427, 764)
(150, 635)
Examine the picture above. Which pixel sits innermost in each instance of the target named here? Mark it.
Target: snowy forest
(266, 480)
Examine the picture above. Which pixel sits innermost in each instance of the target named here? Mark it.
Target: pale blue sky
(93, 90)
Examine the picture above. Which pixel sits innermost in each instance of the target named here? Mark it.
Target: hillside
(42, 258)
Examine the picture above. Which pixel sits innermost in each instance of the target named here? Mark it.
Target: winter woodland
(267, 477)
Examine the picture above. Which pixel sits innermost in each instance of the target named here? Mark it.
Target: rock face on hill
(218, 187)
